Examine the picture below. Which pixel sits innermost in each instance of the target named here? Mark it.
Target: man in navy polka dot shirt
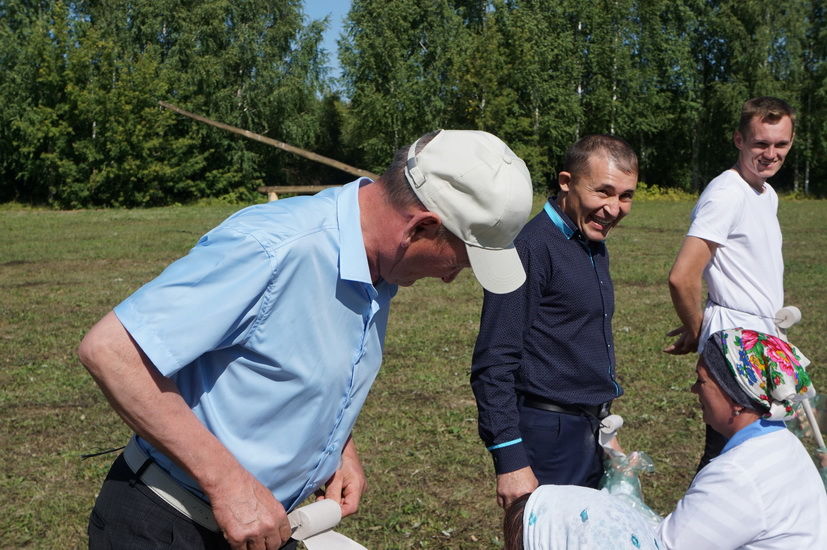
(543, 371)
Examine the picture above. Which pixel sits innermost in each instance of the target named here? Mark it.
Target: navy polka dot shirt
(551, 339)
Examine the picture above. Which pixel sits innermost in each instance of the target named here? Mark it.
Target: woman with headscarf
(762, 492)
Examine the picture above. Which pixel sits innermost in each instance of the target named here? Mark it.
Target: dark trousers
(562, 448)
(713, 445)
(129, 516)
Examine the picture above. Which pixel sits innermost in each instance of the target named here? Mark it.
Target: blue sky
(337, 10)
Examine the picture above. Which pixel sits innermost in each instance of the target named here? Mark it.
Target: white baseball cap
(482, 192)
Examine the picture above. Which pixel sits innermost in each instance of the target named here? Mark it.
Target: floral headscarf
(770, 370)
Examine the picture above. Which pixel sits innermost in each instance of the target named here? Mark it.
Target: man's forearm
(245, 510)
(685, 288)
(686, 299)
(150, 403)
(496, 398)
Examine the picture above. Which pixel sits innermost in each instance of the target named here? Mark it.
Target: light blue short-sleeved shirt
(273, 332)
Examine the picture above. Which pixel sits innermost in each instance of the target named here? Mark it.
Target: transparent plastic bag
(621, 478)
(821, 458)
(800, 426)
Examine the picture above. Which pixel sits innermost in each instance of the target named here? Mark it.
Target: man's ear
(737, 139)
(423, 224)
(564, 180)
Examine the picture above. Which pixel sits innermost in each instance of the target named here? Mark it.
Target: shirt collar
(757, 428)
(567, 227)
(553, 211)
(353, 259)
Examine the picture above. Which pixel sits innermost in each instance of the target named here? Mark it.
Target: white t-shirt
(745, 278)
(763, 494)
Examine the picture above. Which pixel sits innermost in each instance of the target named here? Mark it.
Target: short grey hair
(398, 190)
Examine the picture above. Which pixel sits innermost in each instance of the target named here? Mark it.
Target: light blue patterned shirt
(273, 332)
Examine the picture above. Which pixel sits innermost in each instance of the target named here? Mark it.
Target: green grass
(431, 483)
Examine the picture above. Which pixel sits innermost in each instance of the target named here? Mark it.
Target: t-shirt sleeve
(716, 512)
(207, 300)
(716, 213)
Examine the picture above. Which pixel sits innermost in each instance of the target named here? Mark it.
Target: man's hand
(248, 514)
(614, 443)
(686, 342)
(513, 485)
(348, 483)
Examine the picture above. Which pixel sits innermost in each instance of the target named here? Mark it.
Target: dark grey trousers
(129, 516)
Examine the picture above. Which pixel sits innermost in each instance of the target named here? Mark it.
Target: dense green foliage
(80, 118)
(80, 123)
(668, 75)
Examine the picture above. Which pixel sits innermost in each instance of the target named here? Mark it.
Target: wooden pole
(280, 144)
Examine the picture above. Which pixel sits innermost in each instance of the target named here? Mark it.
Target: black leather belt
(596, 411)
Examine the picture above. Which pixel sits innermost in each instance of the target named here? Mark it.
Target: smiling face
(762, 149)
(598, 198)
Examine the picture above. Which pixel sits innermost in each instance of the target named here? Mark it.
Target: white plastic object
(331, 540)
(787, 316)
(609, 427)
(314, 518)
(313, 524)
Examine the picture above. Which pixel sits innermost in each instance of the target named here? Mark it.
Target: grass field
(431, 483)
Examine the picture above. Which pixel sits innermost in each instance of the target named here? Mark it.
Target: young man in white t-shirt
(734, 241)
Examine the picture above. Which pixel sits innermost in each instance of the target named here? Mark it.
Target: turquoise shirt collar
(758, 428)
(569, 231)
(558, 220)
